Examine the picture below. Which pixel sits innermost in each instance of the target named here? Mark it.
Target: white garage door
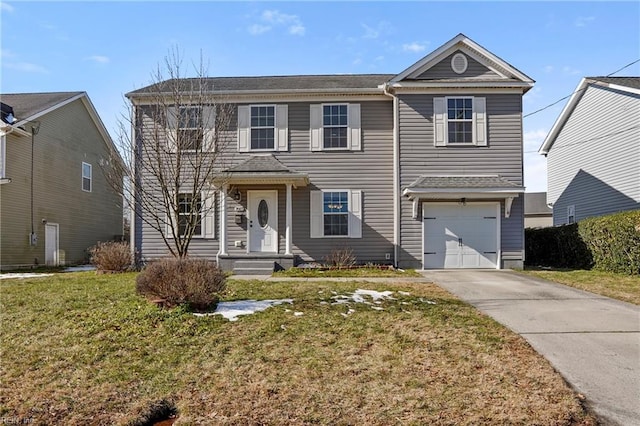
(460, 236)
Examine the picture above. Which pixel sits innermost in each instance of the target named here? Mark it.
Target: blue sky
(110, 48)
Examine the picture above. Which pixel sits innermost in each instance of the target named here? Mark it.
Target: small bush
(194, 282)
(614, 241)
(340, 258)
(111, 256)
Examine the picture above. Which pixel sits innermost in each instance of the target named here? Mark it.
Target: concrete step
(253, 267)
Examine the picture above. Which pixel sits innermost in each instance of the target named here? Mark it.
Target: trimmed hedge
(557, 247)
(607, 243)
(614, 241)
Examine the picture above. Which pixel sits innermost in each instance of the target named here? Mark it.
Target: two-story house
(593, 150)
(421, 169)
(54, 200)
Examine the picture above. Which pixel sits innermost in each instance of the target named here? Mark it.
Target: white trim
(203, 195)
(322, 126)
(3, 157)
(90, 177)
(465, 63)
(274, 127)
(505, 87)
(288, 221)
(354, 213)
(222, 250)
(451, 46)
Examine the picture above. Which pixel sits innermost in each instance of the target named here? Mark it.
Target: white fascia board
(444, 193)
(562, 118)
(48, 110)
(621, 88)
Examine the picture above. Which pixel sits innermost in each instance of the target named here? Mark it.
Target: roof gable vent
(459, 63)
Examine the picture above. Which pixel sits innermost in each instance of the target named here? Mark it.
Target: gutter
(396, 175)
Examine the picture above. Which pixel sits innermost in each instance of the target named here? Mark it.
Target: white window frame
(441, 121)
(202, 224)
(273, 127)
(354, 213)
(354, 131)
(347, 213)
(90, 177)
(190, 120)
(346, 127)
(571, 214)
(3, 156)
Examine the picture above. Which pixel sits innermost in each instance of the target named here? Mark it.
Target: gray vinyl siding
(369, 170)
(442, 70)
(67, 137)
(418, 156)
(594, 163)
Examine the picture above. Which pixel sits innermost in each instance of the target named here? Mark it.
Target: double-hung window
(335, 126)
(571, 214)
(460, 120)
(336, 213)
(86, 177)
(190, 129)
(190, 214)
(263, 124)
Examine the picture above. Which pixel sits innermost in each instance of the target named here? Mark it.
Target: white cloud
(370, 32)
(583, 21)
(381, 28)
(6, 53)
(26, 67)
(379, 58)
(257, 29)
(570, 71)
(274, 18)
(548, 69)
(414, 47)
(6, 7)
(533, 139)
(99, 59)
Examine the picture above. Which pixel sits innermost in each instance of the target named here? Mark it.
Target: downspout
(133, 202)
(396, 176)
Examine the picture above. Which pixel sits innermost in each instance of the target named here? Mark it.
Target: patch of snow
(377, 308)
(430, 302)
(298, 314)
(358, 297)
(81, 268)
(404, 293)
(349, 312)
(232, 310)
(23, 275)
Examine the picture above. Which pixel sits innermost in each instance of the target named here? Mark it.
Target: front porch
(254, 198)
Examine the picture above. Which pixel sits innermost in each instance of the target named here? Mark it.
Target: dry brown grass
(82, 349)
(618, 286)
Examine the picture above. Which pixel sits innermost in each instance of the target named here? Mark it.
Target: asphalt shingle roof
(277, 83)
(536, 203)
(27, 104)
(462, 182)
(633, 82)
(260, 164)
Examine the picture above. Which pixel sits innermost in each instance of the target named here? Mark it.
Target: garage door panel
(457, 236)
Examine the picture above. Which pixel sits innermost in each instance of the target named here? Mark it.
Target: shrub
(111, 256)
(614, 241)
(340, 258)
(194, 282)
(557, 247)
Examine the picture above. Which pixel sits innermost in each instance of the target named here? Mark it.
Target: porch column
(223, 221)
(287, 249)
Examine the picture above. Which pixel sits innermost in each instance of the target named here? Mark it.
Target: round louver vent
(459, 63)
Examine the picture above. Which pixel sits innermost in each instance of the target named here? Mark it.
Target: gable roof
(509, 73)
(630, 85)
(28, 105)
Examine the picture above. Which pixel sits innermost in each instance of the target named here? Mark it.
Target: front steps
(253, 267)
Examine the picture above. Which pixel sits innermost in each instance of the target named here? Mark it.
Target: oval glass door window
(263, 213)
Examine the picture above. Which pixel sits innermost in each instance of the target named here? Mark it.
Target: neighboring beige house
(537, 214)
(54, 200)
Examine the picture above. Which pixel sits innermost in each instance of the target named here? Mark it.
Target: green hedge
(557, 247)
(607, 243)
(614, 241)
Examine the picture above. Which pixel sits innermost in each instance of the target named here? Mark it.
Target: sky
(110, 48)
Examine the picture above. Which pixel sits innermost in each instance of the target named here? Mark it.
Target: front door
(51, 244)
(263, 221)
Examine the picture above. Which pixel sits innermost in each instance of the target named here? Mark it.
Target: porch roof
(264, 169)
(461, 186)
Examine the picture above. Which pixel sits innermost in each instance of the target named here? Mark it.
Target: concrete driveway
(593, 341)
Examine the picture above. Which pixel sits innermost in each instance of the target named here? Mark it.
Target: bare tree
(172, 142)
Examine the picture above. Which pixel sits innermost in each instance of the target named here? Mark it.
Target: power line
(592, 139)
(568, 96)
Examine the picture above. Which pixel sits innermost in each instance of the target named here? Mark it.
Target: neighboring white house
(593, 151)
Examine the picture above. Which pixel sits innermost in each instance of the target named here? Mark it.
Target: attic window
(459, 63)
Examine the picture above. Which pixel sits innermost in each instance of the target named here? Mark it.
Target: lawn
(617, 286)
(82, 349)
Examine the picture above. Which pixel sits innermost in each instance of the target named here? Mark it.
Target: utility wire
(568, 96)
(592, 139)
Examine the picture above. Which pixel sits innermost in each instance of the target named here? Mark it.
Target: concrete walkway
(593, 341)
